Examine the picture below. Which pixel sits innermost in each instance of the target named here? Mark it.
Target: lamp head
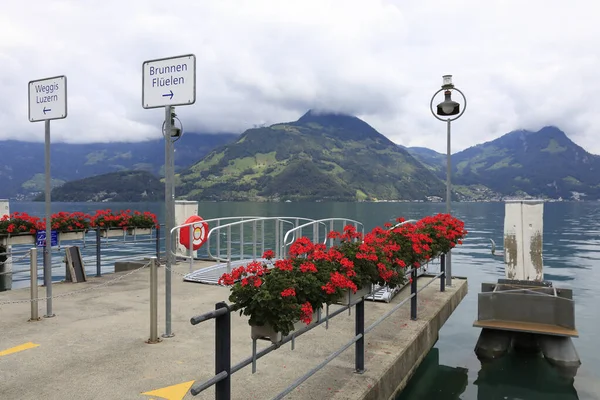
(447, 82)
(448, 107)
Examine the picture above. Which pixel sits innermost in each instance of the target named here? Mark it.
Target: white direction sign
(48, 98)
(169, 81)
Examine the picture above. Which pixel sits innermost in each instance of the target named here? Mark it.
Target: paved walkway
(95, 346)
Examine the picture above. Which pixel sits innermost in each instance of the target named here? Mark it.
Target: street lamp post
(450, 109)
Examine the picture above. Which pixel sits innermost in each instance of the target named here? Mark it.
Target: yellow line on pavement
(16, 349)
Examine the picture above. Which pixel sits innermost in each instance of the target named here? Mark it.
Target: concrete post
(183, 210)
(5, 266)
(523, 233)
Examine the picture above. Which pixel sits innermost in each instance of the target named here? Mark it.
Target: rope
(107, 283)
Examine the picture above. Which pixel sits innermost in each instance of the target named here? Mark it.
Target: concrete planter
(74, 235)
(266, 332)
(349, 297)
(17, 239)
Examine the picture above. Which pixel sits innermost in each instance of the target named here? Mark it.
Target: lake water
(451, 370)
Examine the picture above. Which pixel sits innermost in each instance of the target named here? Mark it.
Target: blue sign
(41, 239)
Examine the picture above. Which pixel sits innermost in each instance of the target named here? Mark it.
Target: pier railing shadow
(224, 369)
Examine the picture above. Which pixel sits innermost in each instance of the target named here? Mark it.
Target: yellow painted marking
(16, 349)
(174, 392)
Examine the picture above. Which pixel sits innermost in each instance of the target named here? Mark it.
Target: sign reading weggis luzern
(48, 98)
(169, 81)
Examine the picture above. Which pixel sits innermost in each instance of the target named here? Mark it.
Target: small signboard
(169, 81)
(41, 238)
(48, 99)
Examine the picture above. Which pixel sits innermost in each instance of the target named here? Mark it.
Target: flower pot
(17, 239)
(72, 235)
(349, 297)
(113, 232)
(266, 332)
(139, 231)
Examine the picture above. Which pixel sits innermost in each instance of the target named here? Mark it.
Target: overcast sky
(521, 64)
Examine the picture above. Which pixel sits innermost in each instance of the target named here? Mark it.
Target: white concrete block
(4, 207)
(523, 239)
(183, 210)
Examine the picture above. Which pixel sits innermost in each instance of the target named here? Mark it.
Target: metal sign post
(168, 82)
(48, 101)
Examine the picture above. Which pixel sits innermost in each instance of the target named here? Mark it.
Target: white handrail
(315, 224)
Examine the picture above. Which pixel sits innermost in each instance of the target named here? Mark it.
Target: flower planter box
(66, 236)
(116, 232)
(139, 231)
(349, 297)
(266, 332)
(17, 239)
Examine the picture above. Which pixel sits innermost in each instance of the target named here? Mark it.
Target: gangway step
(210, 275)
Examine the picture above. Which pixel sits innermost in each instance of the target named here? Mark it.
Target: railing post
(33, 284)
(262, 236)
(223, 353)
(158, 243)
(242, 241)
(443, 271)
(277, 249)
(218, 239)
(228, 248)
(359, 348)
(413, 291)
(153, 301)
(254, 238)
(98, 253)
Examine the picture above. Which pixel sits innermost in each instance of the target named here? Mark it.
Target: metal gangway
(236, 241)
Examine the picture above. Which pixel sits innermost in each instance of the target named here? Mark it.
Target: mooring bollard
(33, 290)
(153, 301)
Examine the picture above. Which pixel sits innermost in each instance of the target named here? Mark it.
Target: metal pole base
(50, 316)
(168, 335)
(152, 341)
(34, 320)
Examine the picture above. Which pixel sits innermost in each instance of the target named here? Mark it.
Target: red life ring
(199, 233)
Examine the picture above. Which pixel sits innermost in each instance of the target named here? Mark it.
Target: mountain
(125, 186)
(321, 156)
(431, 159)
(22, 163)
(545, 163)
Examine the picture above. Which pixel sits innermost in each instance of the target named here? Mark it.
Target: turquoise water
(451, 370)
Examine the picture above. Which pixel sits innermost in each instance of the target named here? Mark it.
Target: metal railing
(239, 243)
(96, 248)
(329, 225)
(222, 315)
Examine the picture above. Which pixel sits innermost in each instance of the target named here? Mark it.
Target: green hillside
(125, 186)
(319, 157)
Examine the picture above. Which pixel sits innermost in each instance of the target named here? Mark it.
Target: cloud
(520, 64)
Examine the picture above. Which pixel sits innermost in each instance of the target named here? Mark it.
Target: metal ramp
(210, 275)
(277, 239)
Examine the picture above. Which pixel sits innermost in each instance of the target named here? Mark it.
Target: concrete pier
(95, 346)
